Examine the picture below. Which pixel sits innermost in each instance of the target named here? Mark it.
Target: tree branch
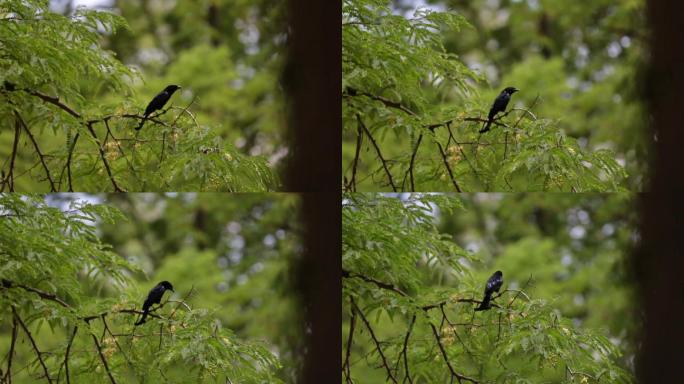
(10, 175)
(413, 159)
(54, 101)
(33, 342)
(378, 283)
(104, 159)
(377, 149)
(45, 295)
(345, 367)
(4, 283)
(359, 139)
(458, 376)
(387, 102)
(106, 327)
(104, 361)
(40, 155)
(375, 340)
(405, 349)
(446, 164)
(8, 374)
(66, 355)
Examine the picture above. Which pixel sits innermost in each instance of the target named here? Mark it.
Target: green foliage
(390, 55)
(412, 112)
(70, 103)
(52, 259)
(374, 228)
(408, 314)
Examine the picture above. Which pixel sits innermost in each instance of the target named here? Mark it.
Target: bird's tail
(485, 302)
(144, 316)
(486, 128)
(141, 124)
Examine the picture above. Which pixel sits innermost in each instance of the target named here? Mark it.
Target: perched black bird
(158, 102)
(499, 105)
(154, 297)
(493, 285)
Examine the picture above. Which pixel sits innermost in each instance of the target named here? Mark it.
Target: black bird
(154, 297)
(499, 105)
(158, 102)
(493, 285)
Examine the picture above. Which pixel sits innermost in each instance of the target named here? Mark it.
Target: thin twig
(377, 149)
(106, 326)
(411, 163)
(116, 141)
(10, 174)
(182, 301)
(405, 349)
(68, 163)
(40, 154)
(345, 366)
(460, 148)
(520, 291)
(385, 101)
(375, 339)
(8, 374)
(45, 295)
(104, 160)
(33, 343)
(104, 361)
(66, 355)
(359, 140)
(446, 164)
(378, 283)
(458, 376)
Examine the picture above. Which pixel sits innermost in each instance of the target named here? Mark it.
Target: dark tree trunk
(313, 84)
(312, 78)
(659, 263)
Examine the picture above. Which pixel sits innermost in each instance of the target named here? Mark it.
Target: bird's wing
(501, 102)
(158, 292)
(494, 283)
(157, 102)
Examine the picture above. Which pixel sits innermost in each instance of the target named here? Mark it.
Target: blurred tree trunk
(659, 263)
(312, 78)
(312, 81)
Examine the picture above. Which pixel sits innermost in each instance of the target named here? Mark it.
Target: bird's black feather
(158, 102)
(154, 297)
(494, 283)
(500, 104)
